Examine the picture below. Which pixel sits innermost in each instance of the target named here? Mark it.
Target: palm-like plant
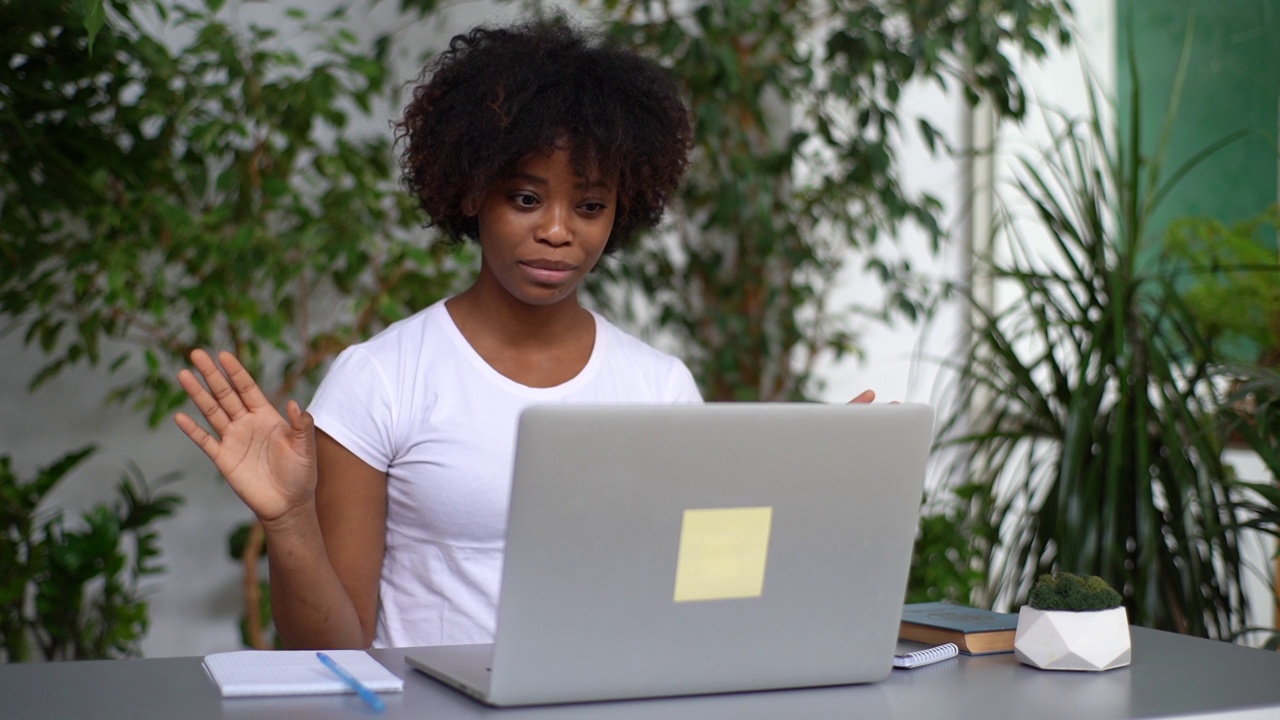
(1085, 409)
(1252, 414)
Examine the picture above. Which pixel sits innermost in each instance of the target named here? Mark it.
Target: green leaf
(94, 19)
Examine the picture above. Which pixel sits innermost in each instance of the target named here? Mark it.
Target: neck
(483, 309)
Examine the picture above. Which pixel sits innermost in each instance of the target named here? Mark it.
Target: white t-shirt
(417, 401)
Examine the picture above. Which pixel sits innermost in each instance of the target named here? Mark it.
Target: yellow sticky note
(722, 553)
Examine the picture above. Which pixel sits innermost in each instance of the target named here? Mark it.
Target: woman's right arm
(351, 505)
(325, 531)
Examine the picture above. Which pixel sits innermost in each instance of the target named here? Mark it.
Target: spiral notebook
(929, 656)
(247, 673)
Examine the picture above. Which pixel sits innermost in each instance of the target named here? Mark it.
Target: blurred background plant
(946, 560)
(1251, 416)
(1230, 280)
(1230, 283)
(194, 181)
(1097, 450)
(800, 122)
(203, 195)
(76, 591)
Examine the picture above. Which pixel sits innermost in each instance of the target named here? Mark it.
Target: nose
(554, 227)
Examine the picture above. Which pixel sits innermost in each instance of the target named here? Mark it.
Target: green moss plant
(1073, 593)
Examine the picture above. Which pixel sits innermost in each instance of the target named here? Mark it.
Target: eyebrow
(538, 179)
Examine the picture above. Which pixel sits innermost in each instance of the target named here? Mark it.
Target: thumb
(303, 427)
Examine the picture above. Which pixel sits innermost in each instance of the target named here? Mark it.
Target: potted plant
(1072, 623)
(1082, 432)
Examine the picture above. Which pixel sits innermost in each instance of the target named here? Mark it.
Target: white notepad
(247, 673)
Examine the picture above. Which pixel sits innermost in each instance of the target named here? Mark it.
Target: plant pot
(1065, 640)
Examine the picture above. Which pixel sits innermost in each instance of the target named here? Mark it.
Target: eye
(524, 200)
(592, 208)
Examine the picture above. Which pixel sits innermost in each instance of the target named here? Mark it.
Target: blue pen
(367, 695)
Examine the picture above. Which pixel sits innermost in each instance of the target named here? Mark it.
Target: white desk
(1171, 676)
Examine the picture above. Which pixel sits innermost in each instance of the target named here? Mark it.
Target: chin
(546, 297)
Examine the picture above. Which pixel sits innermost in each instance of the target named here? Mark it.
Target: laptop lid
(663, 550)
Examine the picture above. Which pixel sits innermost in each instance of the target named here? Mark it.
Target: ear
(471, 206)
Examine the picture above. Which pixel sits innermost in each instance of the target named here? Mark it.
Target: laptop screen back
(669, 550)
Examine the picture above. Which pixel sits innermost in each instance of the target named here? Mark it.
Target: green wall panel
(1233, 83)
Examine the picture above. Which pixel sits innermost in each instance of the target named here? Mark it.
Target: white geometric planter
(1064, 640)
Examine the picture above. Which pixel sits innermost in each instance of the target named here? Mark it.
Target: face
(544, 227)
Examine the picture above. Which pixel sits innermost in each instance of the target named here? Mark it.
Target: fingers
(222, 403)
(206, 403)
(202, 439)
(863, 397)
(246, 388)
(231, 391)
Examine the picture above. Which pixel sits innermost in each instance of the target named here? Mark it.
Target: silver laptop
(664, 550)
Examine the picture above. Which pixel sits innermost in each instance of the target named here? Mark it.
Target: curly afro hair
(499, 95)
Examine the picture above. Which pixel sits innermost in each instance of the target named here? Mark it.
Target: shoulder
(623, 344)
(407, 341)
(399, 351)
(666, 375)
(375, 391)
(427, 324)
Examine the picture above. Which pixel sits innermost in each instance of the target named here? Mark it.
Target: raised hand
(269, 461)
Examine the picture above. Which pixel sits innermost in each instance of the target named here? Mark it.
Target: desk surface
(1171, 675)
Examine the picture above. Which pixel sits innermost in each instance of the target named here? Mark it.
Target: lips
(547, 271)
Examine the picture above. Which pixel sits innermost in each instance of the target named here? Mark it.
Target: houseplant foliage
(208, 195)
(1233, 289)
(1096, 448)
(1252, 415)
(946, 560)
(798, 124)
(798, 121)
(74, 591)
(192, 181)
(1231, 282)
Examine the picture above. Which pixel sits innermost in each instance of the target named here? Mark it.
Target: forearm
(309, 605)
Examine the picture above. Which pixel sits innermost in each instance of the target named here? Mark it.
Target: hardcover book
(973, 630)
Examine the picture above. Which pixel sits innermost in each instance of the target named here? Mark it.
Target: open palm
(267, 459)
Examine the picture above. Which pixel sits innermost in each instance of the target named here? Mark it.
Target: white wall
(900, 361)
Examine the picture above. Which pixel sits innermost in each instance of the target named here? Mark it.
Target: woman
(385, 504)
